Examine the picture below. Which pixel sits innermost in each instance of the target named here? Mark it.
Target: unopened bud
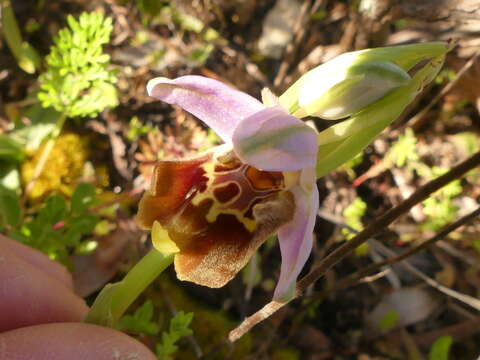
(332, 93)
(336, 89)
(350, 82)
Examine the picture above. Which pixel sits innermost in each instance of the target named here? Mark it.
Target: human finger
(70, 341)
(29, 296)
(37, 259)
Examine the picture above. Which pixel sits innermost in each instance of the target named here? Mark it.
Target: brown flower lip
(216, 210)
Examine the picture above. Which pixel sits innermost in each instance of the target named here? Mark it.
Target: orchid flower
(214, 210)
(210, 213)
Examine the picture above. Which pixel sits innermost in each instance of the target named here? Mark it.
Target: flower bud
(333, 94)
(350, 82)
(336, 90)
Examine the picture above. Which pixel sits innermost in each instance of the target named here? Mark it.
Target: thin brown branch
(378, 225)
(351, 279)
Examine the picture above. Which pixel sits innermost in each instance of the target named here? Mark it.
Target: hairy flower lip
(210, 250)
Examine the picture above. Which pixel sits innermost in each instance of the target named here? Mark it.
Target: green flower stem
(115, 299)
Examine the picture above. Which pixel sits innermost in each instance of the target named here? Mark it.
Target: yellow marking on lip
(214, 212)
(219, 208)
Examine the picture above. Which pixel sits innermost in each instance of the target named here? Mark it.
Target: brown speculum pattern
(217, 210)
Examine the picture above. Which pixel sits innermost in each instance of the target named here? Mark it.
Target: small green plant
(389, 320)
(137, 129)
(351, 164)
(403, 152)
(57, 227)
(441, 348)
(179, 327)
(78, 81)
(440, 208)
(141, 321)
(353, 218)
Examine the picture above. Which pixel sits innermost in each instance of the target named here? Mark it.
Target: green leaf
(55, 210)
(78, 81)
(78, 226)
(27, 58)
(10, 210)
(179, 327)
(140, 321)
(42, 121)
(389, 320)
(82, 198)
(440, 348)
(10, 149)
(9, 176)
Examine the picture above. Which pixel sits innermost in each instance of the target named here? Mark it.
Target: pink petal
(272, 140)
(218, 105)
(296, 240)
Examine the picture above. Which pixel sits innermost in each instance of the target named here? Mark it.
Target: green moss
(62, 169)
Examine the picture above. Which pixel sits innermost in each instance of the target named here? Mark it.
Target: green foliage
(179, 327)
(351, 164)
(403, 151)
(10, 150)
(56, 227)
(445, 75)
(440, 348)
(141, 321)
(78, 81)
(389, 320)
(468, 141)
(137, 129)
(353, 216)
(440, 208)
(319, 15)
(202, 53)
(27, 57)
(41, 124)
(476, 244)
(10, 210)
(150, 7)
